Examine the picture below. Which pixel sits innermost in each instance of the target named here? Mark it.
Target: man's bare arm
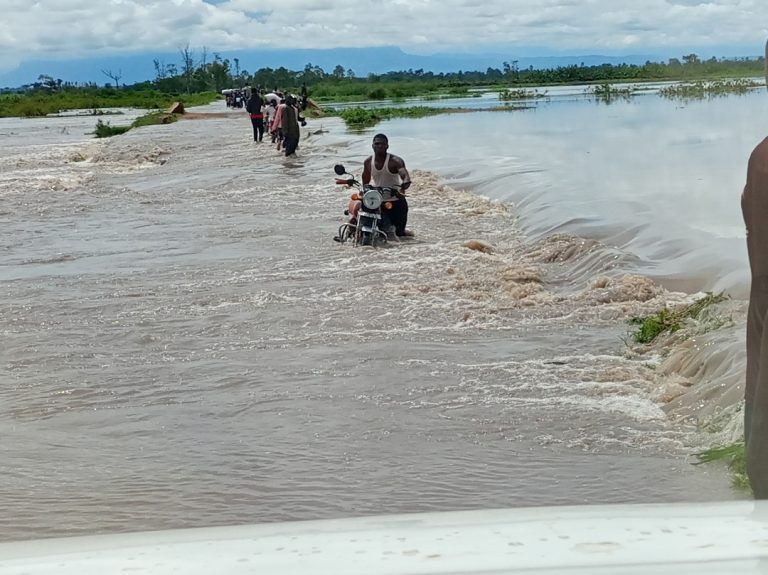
(367, 172)
(398, 164)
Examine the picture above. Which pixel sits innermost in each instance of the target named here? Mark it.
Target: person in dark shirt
(255, 110)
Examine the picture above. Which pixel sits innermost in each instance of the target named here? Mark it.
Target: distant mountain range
(138, 68)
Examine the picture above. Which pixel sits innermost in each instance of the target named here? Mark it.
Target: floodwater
(184, 345)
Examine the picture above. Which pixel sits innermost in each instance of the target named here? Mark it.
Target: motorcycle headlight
(372, 199)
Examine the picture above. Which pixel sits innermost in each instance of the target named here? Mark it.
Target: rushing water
(655, 177)
(184, 345)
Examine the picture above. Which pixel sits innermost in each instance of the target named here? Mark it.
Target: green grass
(669, 320)
(153, 119)
(735, 458)
(39, 104)
(359, 118)
(357, 90)
(105, 130)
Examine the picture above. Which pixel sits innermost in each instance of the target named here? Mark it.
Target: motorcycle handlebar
(391, 188)
(354, 182)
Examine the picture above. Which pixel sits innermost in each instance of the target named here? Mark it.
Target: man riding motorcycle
(388, 171)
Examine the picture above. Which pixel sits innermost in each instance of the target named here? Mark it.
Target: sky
(73, 30)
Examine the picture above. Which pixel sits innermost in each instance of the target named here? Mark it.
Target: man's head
(380, 144)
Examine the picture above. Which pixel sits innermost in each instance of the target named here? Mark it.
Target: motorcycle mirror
(339, 169)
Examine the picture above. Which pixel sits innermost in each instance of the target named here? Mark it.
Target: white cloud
(77, 28)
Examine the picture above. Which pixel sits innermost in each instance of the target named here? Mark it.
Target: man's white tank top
(383, 177)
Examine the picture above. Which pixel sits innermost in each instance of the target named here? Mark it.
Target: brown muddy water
(183, 345)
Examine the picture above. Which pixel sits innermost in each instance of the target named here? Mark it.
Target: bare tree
(115, 76)
(187, 66)
(160, 69)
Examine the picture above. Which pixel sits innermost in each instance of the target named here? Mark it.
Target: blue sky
(73, 30)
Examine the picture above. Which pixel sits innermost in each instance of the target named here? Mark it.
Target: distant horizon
(137, 68)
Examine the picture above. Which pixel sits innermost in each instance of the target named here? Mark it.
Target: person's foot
(337, 239)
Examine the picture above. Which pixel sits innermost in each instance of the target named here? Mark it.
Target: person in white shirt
(389, 171)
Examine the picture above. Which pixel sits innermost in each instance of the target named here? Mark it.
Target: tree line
(216, 73)
(210, 72)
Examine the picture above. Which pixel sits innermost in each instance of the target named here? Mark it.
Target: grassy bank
(37, 104)
(105, 130)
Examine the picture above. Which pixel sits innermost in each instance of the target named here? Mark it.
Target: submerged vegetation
(359, 118)
(670, 320)
(521, 94)
(607, 92)
(106, 130)
(733, 456)
(700, 90)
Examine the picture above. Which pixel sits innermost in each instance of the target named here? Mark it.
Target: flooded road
(184, 345)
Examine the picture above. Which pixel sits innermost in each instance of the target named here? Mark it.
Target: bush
(153, 119)
(670, 320)
(105, 130)
(377, 94)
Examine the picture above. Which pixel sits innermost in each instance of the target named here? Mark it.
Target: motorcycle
(369, 223)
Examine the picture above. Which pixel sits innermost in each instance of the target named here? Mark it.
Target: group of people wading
(279, 115)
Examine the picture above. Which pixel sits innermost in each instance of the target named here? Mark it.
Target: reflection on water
(184, 345)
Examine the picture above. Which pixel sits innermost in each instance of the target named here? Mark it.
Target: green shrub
(154, 118)
(377, 94)
(670, 320)
(106, 130)
(357, 118)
